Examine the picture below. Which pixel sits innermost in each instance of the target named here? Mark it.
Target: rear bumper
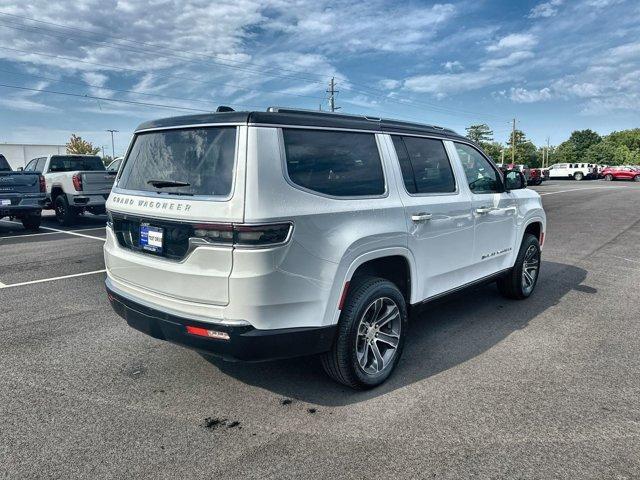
(21, 204)
(245, 343)
(88, 200)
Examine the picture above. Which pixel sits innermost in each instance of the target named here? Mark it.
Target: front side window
(190, 161)
(482, 177)
(340, 164)
(40, 164)
(71, 163)
(425, 165)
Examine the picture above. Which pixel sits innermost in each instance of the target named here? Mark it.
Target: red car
(621, 173)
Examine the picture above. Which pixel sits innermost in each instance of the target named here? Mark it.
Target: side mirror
(514, 180)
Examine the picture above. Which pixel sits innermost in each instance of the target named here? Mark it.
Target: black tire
(341, 362)
(32, 221)
(65, 214)
(608, 177)
(636, 178)
(578, 176)
(512, 284)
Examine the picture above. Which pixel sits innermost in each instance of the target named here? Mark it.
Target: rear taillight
(244, 235)
(43, 184)
(77, 182)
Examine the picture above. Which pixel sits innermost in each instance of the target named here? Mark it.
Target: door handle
(421, 217)
(484, 210)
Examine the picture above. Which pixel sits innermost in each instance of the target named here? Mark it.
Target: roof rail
(320, 112)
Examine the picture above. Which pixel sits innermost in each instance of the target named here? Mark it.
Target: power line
(152, 45)
(119, 90)
(147, 52)
(106, 99)
(146, 72)
(367, 91)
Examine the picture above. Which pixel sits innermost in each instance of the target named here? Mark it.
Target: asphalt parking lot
(487, 388)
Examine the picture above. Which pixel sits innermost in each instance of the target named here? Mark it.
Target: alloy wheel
(378, 336)
(530, 268)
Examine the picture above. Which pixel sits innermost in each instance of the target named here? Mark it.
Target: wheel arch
(396, 264)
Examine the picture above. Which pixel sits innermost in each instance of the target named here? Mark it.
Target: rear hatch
(175, 198)
(97, 182)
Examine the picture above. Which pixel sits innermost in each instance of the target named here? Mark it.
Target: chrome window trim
(285, 171)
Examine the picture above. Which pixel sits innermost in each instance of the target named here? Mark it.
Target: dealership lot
(548, 387)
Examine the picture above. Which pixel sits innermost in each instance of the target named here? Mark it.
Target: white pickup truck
(75, 184)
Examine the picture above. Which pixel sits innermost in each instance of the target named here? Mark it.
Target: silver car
(262, 235)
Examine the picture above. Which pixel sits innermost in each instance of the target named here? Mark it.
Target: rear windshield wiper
(167, 183)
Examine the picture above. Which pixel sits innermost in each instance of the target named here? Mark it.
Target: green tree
(630, 138)
(582, 140)
(602, 153)
(76, 145)
(564, 153)
(493, 149)
(479, 133)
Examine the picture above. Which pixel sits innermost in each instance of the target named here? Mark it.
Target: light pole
(113, 149)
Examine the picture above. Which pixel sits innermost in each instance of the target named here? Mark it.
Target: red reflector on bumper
(203, 332)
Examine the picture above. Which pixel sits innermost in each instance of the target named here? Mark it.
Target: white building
(19, 154)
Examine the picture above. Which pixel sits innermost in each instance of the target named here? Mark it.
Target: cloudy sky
(556, 66)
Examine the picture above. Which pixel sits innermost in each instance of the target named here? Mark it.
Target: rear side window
(192, 161)
(69, 163)
(40, 164)
(425, 165)
(4, 165)
(341, 164)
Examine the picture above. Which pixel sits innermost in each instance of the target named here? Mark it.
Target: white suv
(261, 235)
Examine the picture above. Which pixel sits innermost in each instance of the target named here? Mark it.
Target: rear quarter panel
(329, 236)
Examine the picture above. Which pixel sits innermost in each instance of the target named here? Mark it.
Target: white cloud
(514, 41)
(448, 83)
(389, 84)
(509, 60)
(545, 9)
(522, 95)
(374, 26)
(453, 66)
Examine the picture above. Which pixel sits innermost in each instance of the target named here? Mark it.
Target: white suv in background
(575, 171)
(261, 235)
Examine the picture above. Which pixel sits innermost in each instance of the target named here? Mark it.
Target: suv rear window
(201, 160)
(341, 164)
(70, 163)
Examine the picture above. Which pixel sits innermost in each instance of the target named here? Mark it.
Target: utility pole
(547, 156)
(102, 151)
(502, 161)
(513, 142)
(332, 95)
(113, 149)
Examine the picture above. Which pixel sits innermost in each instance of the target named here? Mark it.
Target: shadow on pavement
(443, 334)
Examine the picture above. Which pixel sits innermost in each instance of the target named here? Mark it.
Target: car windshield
(192, 161)
(4, 165)
(72, 163)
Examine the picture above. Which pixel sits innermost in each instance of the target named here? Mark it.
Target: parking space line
(581, 189)
(56, 230)
(21, 284)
